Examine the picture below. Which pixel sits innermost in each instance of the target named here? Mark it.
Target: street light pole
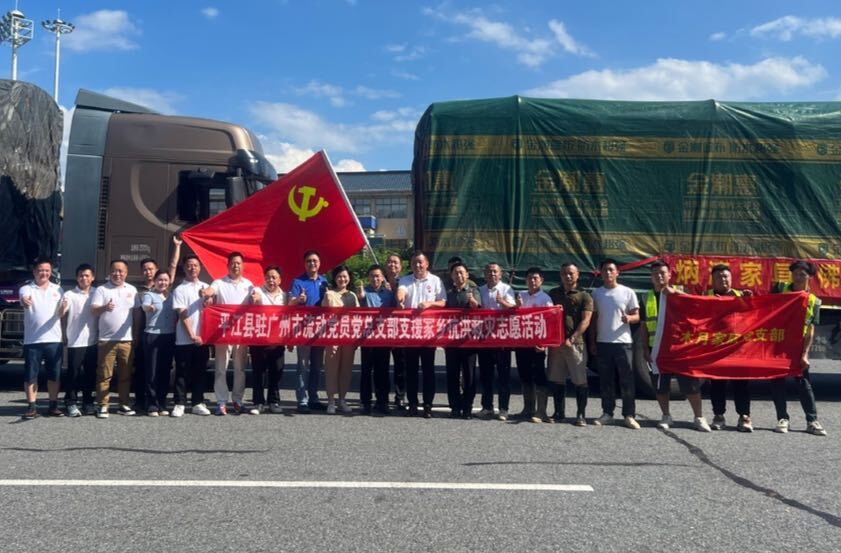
(58, 27)
(17, 31)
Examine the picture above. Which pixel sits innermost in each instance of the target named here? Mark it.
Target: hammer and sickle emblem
(303, 209)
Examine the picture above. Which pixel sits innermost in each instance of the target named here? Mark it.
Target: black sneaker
(413, 411)
(366, 409)
(316, 406)
(303, 409)
(55, 412)
(30, 413)
(427, 412)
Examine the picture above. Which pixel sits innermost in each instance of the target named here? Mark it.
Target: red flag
(306, 209)
(731, 337)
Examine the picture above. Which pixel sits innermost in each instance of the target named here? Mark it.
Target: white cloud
(416, 52)
(375, 94)
(323, 90)
(565, 39)
(285, 156)
(336, 94)
(531, 51)
(102, 30)
(675, 79)
(787, 27)
(405, 75)
(293, 124)
(395, 48)
(162, 101)
(210, 12)
(349, 166)
(716, 37)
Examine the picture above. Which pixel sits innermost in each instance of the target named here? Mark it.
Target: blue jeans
(311, 360)
(34, 354)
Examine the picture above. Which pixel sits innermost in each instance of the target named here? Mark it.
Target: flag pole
(350, 207)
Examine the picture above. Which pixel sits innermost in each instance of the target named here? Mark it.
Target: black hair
(567, 265)
(123, 261)
(456, 265)
(190, 256)
(273, 268)
(719, 268)
(807, 266)
(534, 271)
(608, 261)
(335, 272)
(232, 255)
(40, 261)
(659, 263)
(311, 252)
(85, 267)
(160, 272)
(146, 260)
(375, 267)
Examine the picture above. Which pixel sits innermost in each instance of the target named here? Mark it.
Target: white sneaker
(782, 426)
(152, 413)
(344, 407)
(604, 420)
(276, 409)
(177, 411)
(102, 413)
(632, 423)
(719, 422)
(253, 410)
(331, 407)
(164, 413)
(502, 415)
(701, 425)
(815, 428)
(126, 410)
(200, 409)
(665, 422)
(486, 413)
(744, 424)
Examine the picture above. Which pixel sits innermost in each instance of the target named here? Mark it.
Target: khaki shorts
(568, 362)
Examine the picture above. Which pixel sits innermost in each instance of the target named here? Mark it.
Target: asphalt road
(677, 490)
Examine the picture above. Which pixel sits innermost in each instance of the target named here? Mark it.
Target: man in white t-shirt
(113, 303)
(531, 362)
(233, 289)
(81, 333)
(420, 290)
(495, 362)
(616, 308)
(41, 301)
(191, 354)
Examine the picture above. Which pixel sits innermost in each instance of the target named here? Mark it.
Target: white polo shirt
(229, 292)
(187, 296)
(115, 326)
(81, 322)
(278, 299)
(428, 289)
(540, 299)
(41, 321)
(489, 295)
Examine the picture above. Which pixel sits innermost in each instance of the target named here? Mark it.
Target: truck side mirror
(235, 191)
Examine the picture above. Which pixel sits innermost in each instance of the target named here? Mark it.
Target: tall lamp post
(57, 27)
(17, 31)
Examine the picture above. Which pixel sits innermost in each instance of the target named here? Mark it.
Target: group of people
(113, 329)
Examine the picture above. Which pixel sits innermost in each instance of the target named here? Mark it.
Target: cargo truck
(523, 182)
(134, 177)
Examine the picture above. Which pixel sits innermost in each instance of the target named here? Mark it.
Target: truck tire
(645, 385)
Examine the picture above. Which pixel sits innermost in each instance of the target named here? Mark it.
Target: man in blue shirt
(309, 289)
(375, 360)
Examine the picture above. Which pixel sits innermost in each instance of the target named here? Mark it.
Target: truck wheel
(645, 386)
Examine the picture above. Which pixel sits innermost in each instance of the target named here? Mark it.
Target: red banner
(302, 210)
(729, 337)
(260, 325)
(694, 273)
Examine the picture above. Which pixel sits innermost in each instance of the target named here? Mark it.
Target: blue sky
(353, 77)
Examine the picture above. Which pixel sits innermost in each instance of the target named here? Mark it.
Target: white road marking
(454, 486)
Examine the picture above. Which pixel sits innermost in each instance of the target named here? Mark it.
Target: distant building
(387, 196)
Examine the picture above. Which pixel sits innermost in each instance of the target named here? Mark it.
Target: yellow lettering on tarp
(750, 274)
(781, 272)
(686, 337)
(829, 275)
(745, 185)
(777, 334)
(760, 335)
(722, 184)
(719, 338)
(687, 271)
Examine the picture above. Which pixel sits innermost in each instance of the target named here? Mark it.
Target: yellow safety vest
(651, 316)
(810, 309)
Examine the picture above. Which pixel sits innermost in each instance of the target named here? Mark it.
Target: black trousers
(804, 389)
(461, 379)
(398, 356)
(495, 364)
(613, 359)
(374, 370)
(81, 374)
(741, 396)
(190, 371)
(531, 366)
(266, 360)
(423, 359)
(138, 377)
(159, 349)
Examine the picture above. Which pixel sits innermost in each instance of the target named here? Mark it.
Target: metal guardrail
(11, 333)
